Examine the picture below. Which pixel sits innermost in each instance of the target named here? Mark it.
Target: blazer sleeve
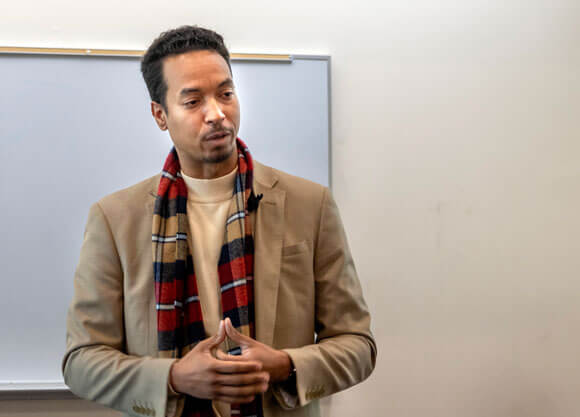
(345, 351)
(95, 365)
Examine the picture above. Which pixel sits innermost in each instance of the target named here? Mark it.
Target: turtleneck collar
(212, 190)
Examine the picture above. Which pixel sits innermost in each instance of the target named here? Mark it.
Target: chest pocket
(297, 264)
(294, 249)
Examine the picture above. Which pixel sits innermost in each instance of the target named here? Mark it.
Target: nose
(213, 112)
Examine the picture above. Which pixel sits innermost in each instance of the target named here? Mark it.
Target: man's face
(203, 112)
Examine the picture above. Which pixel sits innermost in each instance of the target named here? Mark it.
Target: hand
(276, 363)
(201, 375)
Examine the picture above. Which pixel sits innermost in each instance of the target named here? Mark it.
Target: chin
(216, 159)
(219, 155)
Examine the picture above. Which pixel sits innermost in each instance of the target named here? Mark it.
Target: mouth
(217, 135)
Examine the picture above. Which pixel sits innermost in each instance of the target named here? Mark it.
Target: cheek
(187, 125)
(235, 115)
(184, 132)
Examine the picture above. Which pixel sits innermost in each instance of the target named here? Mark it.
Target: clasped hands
(229, 378)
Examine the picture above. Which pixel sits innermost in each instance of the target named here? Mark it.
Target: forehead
(194, 69)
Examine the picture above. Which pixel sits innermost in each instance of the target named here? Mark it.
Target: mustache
(218, 131)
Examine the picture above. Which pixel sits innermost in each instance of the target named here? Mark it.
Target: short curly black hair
(174, 42)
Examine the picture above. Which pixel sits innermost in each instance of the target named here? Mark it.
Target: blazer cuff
(306, 391)
(300, 361)
(287, 399)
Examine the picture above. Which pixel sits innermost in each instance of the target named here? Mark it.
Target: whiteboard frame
(127, 53)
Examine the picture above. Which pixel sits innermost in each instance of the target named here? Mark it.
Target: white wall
(456, 166)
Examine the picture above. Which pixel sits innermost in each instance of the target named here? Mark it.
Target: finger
(236, 380)
(234, 334)
(217, 339)
(221, 333)
(227, 357)
(235, 400)
(232, 367)
(241, 391)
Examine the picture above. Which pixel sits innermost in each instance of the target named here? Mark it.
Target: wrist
(172, 380)
(285, 368)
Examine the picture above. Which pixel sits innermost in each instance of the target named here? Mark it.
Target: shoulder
(134, 201)
(303, 200)
(140, 192)
(294, 187)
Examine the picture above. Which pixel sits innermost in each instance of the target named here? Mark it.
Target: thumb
(220, 336)
(233, 334)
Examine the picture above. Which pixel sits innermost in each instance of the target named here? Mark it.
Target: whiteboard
(74, 129)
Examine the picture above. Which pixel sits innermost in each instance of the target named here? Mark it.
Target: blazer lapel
(268, 224)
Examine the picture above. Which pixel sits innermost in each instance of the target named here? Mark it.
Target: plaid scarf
(179, 319)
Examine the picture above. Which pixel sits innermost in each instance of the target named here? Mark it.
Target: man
(221, 286)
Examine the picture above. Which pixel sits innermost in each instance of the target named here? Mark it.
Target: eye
(228, 94)
(191, 103)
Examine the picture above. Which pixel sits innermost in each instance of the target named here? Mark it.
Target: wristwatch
(292, 375)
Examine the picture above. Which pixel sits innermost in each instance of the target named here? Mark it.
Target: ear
(159, 115)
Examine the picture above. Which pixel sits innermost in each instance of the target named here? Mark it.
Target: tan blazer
(308, 299)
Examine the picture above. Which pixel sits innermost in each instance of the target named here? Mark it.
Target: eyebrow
(224, 83)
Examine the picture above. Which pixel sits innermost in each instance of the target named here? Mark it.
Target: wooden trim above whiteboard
(127, 53)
